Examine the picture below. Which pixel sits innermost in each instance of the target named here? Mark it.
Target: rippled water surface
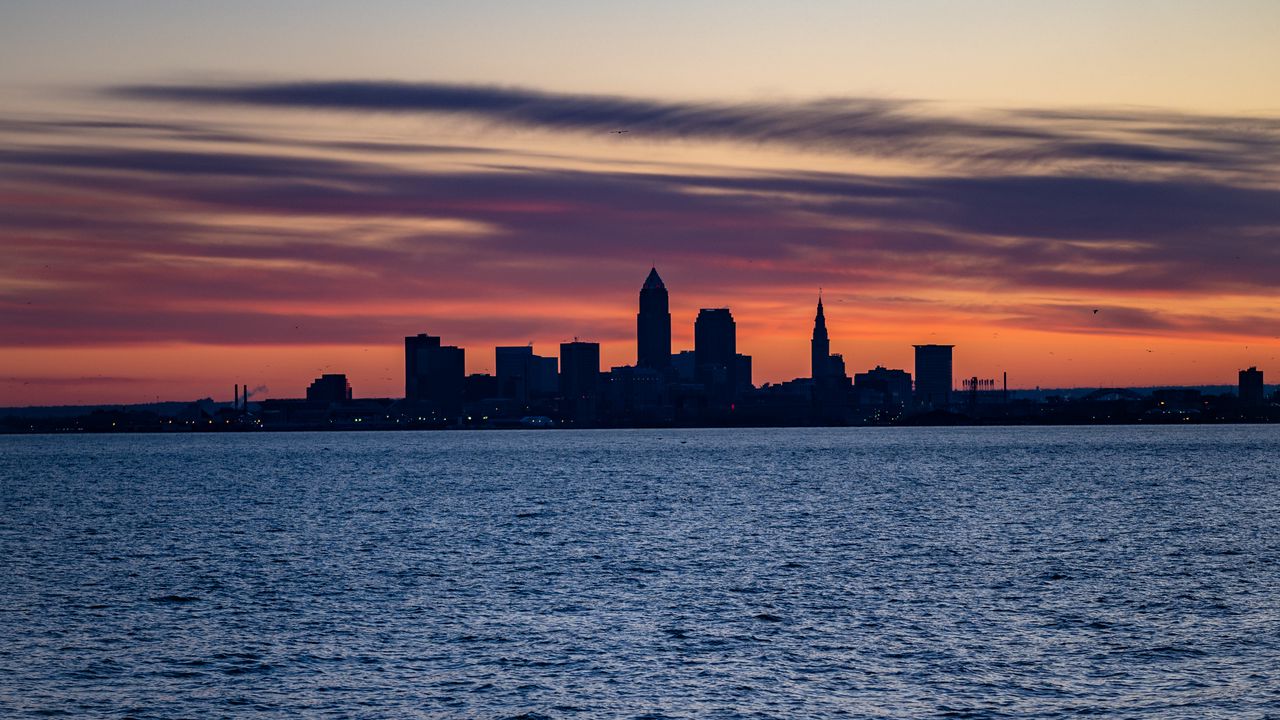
(1020, 572)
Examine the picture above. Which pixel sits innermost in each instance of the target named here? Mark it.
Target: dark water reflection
(1126, 572)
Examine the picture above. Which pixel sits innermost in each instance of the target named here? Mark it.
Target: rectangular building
(544, 377)
(933, 376)
(882, 387)
(512, 367)
(434, 374)
(579, 381)
(715, 351)
(523, 376)
(1252, 388)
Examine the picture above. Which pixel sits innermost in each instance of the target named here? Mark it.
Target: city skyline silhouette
(191, 215)
(653, 343)
(710, 384)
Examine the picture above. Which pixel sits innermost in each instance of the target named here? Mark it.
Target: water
(1021, 572)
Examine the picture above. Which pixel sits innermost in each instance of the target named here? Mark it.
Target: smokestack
(236, 404)
(1006, 387)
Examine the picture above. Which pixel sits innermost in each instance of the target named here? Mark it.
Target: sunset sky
(199, 194)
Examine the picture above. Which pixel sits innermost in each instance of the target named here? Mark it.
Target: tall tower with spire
(820, 347)
(653, 324)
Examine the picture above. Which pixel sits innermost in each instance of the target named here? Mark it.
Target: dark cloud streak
(1052, 231)
(871, 126)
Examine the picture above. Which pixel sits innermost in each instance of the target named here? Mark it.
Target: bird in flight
(1095, 311)
(620, 132)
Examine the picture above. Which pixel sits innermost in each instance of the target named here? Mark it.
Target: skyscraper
(933, 375)
(715, 338)
(830, 385)
(433, 373)
(580, 380)
(715, 349)
(820, 348)
(544, 380)
(653, 324)
(511, 366)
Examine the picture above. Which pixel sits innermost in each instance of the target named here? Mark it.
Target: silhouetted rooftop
(653, 281)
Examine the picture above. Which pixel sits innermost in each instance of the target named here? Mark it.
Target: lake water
(799, 573)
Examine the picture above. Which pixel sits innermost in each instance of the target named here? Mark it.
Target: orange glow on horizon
(54, 376)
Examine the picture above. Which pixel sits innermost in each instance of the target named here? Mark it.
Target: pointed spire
(820, 345)
(653, 281)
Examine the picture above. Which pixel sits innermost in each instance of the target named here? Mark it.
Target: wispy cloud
(871, 126)
(1071, 231)
(196, 233)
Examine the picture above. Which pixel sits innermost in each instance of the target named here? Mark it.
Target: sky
(194, 195)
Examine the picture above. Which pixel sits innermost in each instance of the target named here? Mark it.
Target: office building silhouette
(328, 389)
(829, 385)
(819, 348)
(825, 369)
(715, 349)
(883, 388)
(434, 374)
(933, 376)
(524, 376)
(653, 324)
(1252, 389)
(715, 337)
(580, 381)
